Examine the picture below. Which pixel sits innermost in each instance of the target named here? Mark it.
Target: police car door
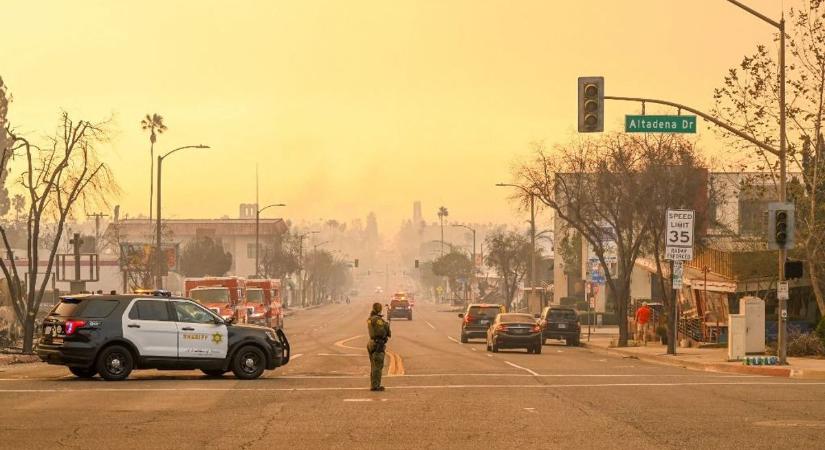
(199, 336)
(148, 324)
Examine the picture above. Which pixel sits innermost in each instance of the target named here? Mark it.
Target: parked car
(514, 330)
(560, 323)
(477, 318)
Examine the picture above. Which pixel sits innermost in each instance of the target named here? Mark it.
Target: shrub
(820, 329)
(805, 344)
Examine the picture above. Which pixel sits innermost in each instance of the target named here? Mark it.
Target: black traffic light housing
(416, 263)
(355, 263)
(591, 104)
(780, 226)
(780, 232)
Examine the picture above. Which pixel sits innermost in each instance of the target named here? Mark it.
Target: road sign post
(678, 249)
(659, 124)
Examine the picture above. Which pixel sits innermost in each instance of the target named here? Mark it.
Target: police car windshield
(255, 296)
(210, 295)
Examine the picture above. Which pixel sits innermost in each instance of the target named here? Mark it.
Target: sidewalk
(295, 309)
(706, 359)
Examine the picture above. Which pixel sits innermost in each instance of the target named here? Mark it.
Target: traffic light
(591, 104)
(416, 263)
(780, 226)
(355, 263)
(780, 233)
(793, 269)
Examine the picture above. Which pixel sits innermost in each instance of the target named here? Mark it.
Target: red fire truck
(226, 296)
(264, 302)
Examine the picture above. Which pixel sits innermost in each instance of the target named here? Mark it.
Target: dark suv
(560, 323)
(400, 308)
(111, 335)
(477, 319)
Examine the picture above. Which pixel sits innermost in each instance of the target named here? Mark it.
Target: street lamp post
(532, 280)
(158, 255)
(257, 233)
(474, 253)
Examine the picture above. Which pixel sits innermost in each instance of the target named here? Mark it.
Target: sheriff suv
(111, 335)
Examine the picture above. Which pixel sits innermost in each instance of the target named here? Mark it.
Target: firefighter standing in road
(379, 330)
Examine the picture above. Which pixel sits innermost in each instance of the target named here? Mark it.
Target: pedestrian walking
(642, 322)
(379, 330)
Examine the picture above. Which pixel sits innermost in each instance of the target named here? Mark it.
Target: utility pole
(532, 281)
(97, 217)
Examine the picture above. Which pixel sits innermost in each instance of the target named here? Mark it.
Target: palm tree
(442, 213)
(155, 125)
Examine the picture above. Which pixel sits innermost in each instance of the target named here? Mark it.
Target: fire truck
(264, 302)
(225, 296)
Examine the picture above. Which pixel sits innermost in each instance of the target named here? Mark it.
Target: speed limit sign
(679, 234)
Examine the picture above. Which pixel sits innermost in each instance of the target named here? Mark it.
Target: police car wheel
(115, 363)
(83, 372)
(213, 372)
(249, 363)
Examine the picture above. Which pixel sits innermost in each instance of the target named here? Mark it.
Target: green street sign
(659, 124)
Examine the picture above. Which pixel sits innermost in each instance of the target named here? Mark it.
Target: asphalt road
(442, 394)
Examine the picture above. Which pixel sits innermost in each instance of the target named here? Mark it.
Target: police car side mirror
(461, 315)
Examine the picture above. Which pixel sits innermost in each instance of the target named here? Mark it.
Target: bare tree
(56, 178)
(677, 179)
(595, 185)
(748, 98)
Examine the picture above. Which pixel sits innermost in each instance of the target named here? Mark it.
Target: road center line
(453, 339)
(431, 325)
(523, 368)
(294, 357)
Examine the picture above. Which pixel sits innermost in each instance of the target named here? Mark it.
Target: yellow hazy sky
(354, 106)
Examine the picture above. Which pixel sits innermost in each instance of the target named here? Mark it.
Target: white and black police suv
(111, 335)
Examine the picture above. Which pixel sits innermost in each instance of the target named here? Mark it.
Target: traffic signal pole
(780, 153)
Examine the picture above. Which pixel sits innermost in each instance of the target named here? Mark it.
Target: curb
(783, 372)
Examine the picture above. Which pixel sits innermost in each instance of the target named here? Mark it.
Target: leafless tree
(593, 185)
(63, 174)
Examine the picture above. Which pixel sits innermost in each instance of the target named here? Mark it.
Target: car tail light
(501, 328)
(72, 325)
(536, 328)
(467, 319)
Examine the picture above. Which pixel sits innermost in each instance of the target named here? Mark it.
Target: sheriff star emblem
(217, 338)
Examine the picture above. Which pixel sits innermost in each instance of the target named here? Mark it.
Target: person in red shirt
(642, 321)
